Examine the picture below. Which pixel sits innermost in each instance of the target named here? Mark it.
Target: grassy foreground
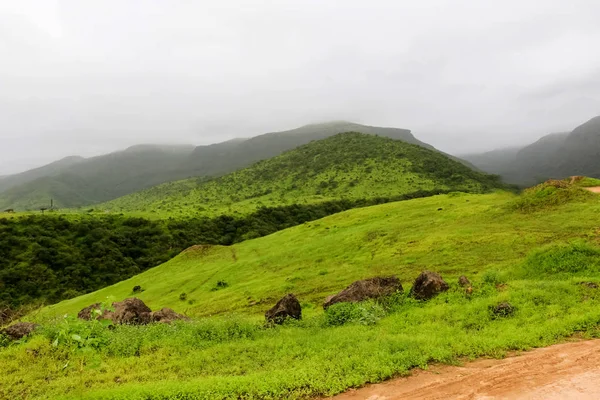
(533, 257)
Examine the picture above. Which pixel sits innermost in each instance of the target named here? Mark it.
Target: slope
(509, 256)
(96, 179)
(555, 156)
(117, 174)
(348, 165)
(9, 181)
(227, 157)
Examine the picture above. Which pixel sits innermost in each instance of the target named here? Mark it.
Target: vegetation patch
(564, 259)
(550, 194)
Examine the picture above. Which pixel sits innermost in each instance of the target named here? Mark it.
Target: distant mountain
(229, 156)
(344, 166)
(77, 181)
(558, 155)
(103, 178)
(495, 160)
(8, 181)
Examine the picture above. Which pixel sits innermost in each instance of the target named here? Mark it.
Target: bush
(549, 194)
(578, 257)
(364, 313)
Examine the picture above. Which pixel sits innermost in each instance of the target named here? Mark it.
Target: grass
(532, 259)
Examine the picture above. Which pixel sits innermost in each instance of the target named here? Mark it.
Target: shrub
(183, 296)
(549, 194)
(572, 258)
(364, 313)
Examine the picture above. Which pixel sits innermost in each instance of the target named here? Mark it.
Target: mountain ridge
(106, 177)
(348, 165)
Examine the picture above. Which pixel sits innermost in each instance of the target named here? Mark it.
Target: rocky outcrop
(166, 316)
(372, 288)
(428, 285)
(132, 311)
(463, 281)
(89, 312)
(503, 309)
(19, 330)
(287, 307)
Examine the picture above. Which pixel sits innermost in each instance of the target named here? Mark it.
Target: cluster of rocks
(427, 285)
(132, 311)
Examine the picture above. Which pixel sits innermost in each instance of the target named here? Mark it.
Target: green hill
(88, 181)
(9, 181)
(348, 165)
(75, 182)
(534, 260)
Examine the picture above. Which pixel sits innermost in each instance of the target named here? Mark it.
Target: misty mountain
(79, 181)
(558, 155)
(8, 181)
(347, 166)
(107, 177)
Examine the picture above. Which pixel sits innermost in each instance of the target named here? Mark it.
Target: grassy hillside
(113, 175)
(349, 165)
(9, 181)
(533, 259)
(95, 179)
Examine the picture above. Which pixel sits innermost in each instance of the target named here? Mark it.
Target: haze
(87, 77)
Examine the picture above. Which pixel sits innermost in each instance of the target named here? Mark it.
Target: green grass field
(533, 256)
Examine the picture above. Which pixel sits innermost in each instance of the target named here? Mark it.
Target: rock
(137, 289)
(19, 330)
(463, 281)
(6, 314)
(428, 285)
(132, 311)
(87, 313)
(166, 316)
(372, 288)
(287, 307)
(503, 309)
(591, 285)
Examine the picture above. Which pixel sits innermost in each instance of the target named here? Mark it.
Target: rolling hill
(348, 165)
(556, 156)
(532, 261)
(76, 181)
(9, 181)
(103, 178)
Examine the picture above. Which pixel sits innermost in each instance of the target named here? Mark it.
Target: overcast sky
(86, 77)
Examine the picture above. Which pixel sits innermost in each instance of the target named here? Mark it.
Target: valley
(211, 256)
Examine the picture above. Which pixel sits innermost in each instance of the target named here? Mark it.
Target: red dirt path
(564, 371)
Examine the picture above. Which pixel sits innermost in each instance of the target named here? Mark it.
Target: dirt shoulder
(564, 371)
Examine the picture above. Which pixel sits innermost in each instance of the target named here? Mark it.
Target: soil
(594, 189)
(564, 371)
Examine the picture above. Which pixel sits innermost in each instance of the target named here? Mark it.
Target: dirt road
(564, 371)
(594, 189)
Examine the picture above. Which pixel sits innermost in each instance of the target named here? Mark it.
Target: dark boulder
(137, 289)
(428, 285)
(166, 316)
(88, 312)
(19, 330)
(372, 288)
(503, 309)
(463, 281)
(287, 307)
(132, 311)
